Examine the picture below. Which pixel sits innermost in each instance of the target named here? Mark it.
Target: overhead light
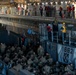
(28, 3)
(46, 3)
(61, 2)
(18, 5)
(34, 4)
(56, 2)
(42, 3)
(22, 5)
(69, 1)
(38, 3)
(65, 2)
(51, 2)
(73, 3)
(25, 1)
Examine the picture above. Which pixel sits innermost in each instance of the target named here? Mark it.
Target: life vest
(63, 29)
(49, 29)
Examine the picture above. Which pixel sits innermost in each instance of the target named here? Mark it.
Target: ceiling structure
(3, 2)
(11, 1)
(19, 1)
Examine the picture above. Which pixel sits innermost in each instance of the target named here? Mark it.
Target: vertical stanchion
(62, 37)
(52, 35)
(69, 38)
(57, 37)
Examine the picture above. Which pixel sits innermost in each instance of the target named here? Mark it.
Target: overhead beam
(38, 19)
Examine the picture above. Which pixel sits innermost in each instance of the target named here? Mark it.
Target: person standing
(63, 29)
(69, 11)
(35, 10)
(47, 10)
(73, 11)
(55, 27)
(2, 48)
(60, 11)
(41, 10)
(40, 51)
(49, 29)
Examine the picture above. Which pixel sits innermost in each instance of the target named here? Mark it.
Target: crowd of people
(42, 10)
(33, 59)
(56, 32)
(68, 13)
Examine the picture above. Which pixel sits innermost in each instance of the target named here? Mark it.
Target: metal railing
(63, 38)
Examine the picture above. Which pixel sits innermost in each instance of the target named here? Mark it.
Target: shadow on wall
(10, 39)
